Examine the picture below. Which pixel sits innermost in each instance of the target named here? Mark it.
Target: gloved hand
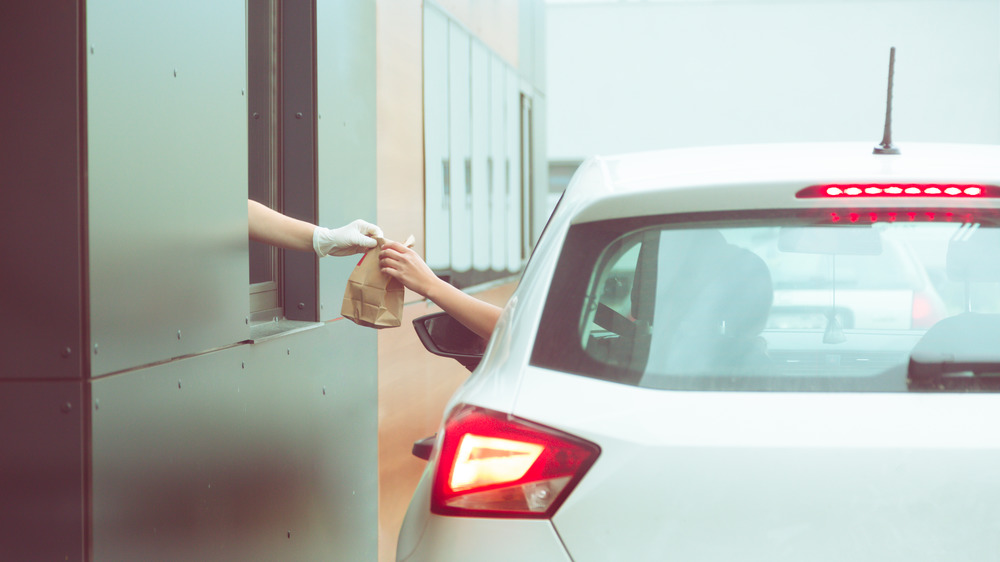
(355, 238)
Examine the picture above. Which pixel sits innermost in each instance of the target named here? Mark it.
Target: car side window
(608, 325)
(673, 301)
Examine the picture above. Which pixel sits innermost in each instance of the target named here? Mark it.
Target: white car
(646, 396)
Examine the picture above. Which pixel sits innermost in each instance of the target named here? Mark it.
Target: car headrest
(705, 284)
(746, 292)
(709, 318)
(964, 337)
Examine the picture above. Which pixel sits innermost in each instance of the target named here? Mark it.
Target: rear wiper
(948, 374)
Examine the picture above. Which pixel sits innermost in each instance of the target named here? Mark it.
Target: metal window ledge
(277, 328)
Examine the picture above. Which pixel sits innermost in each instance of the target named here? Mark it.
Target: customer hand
(405, 265)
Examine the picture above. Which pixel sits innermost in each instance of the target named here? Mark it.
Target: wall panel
(479, 206)
(514, 174)
(539, 169)
(459, 144)
(439, 179)
(42, 363)
(256, 452)
(42, 502)
(167, 140)
(498, 165)
(531, 42)
(43, 192)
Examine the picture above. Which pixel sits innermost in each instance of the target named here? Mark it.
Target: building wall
(413, 384)
(204, 441)
(399, 95)
(143, 414)
(495, 23)
(627, 76)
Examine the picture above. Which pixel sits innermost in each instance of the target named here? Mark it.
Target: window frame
(291, 145)
(264, 162)
(560, 349)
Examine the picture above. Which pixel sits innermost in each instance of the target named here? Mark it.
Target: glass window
(777, 302)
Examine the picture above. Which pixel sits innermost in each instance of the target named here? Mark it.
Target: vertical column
(43, 358)
(298, 141)
(514, 173)
(460, 140)
(438, 165)
(481, 158)
(498, 157)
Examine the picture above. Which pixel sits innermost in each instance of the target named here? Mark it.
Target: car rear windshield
(780, 301)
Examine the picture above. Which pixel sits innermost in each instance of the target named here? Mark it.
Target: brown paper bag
(372, 298)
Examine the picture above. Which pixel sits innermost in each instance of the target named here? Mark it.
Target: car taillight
(861, 190)
(494, 465)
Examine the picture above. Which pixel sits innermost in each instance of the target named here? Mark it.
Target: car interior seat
(954, 351)
(966, 343)
(711, 306)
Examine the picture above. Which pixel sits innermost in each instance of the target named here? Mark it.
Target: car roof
(765, 176)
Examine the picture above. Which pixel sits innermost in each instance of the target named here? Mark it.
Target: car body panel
(767, 476)
(426, 537)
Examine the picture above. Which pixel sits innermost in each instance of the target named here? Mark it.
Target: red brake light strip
(852, 190)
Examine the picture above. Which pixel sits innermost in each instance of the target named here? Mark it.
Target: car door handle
(422, 448)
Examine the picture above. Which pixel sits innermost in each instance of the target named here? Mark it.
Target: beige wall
(494, 22)
(414, 385)
(399, 87)
(400, 141)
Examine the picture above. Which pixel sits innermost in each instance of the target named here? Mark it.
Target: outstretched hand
(402, 263)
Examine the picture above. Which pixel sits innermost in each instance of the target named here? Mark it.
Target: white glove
(354, 238)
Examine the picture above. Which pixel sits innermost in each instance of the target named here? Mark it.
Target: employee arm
(273, 228)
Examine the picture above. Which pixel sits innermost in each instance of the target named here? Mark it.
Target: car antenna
(886, 146)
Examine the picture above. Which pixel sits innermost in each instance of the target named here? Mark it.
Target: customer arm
(402, 263)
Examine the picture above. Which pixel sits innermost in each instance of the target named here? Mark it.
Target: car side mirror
(444, 336)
